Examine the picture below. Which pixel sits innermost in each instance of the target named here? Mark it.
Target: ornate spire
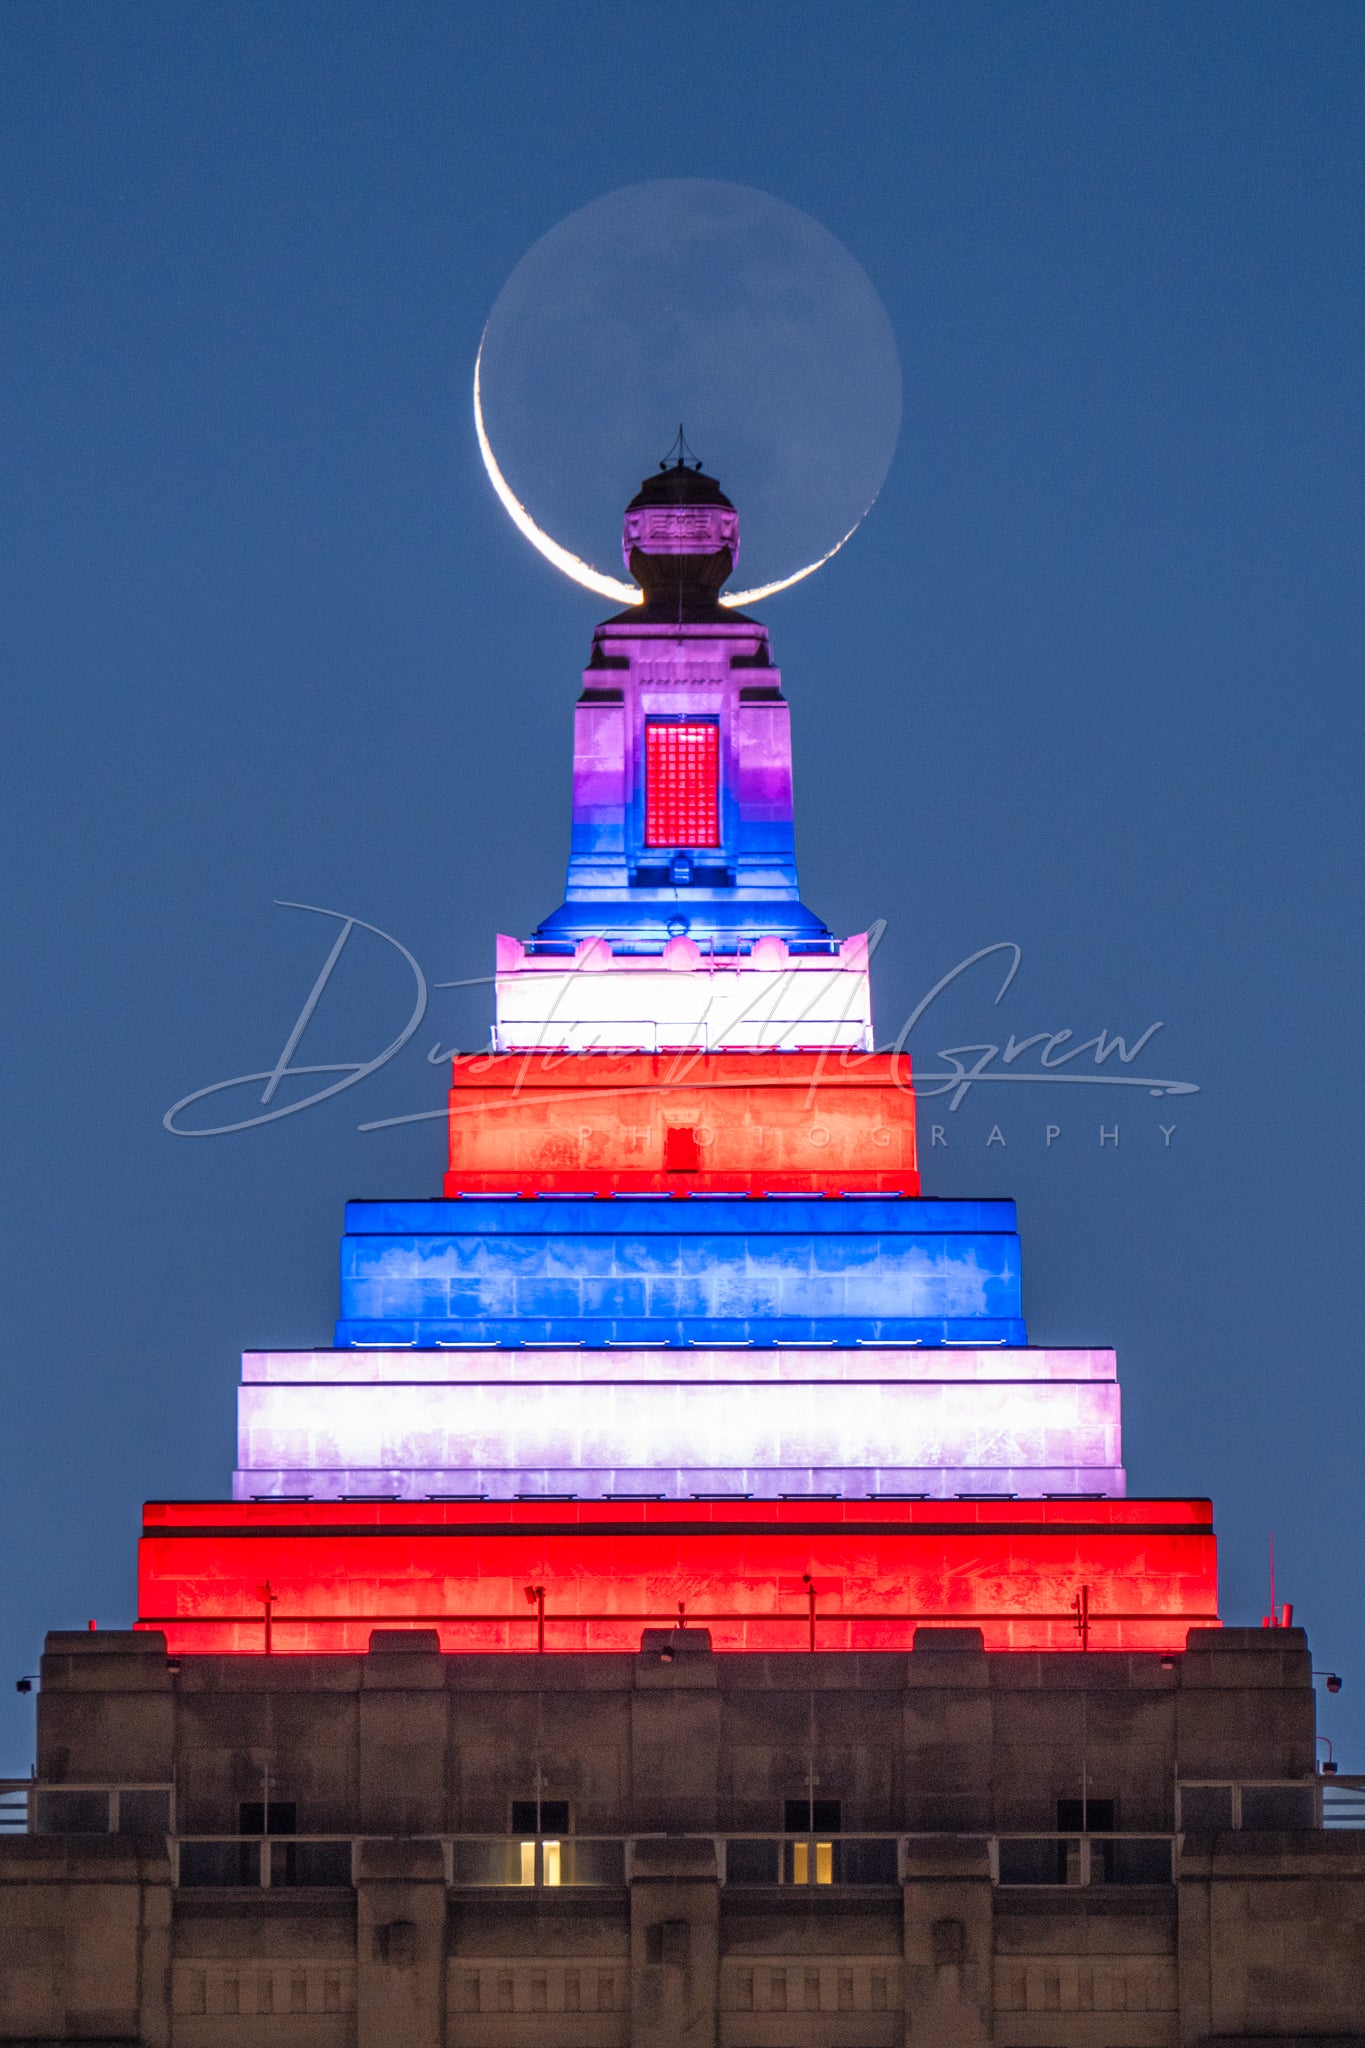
(680, 540)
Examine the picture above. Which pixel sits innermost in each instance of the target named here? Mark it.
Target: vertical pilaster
(1194, 1938)
(674, 1944)
(403, 1713)
(948, 1907)
(154, 1950)
(675, 1732)
(400, 1945)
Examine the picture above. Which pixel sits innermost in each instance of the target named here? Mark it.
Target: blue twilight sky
(1087, 682)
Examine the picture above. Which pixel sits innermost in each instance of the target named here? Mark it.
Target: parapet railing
(497, 1862)
(30, 1807)
(1213, 1805)
(1067, 1858)
(14, 1806)
(501, 1862)
(1343, 1802)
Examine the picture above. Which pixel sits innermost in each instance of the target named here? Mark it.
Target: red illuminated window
(682, 763)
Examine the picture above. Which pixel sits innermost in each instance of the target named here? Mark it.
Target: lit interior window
(682, 763)
(550, 1864)
(808, 1869)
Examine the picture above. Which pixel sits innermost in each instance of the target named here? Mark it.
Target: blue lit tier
(656, 1270)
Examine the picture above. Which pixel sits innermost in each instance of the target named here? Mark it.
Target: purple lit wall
(595, 1423)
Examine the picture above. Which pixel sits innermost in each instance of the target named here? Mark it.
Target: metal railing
(1075, 1858)
(29, 1807)
(1217, 1804)
(500, 1862)
(1343, 1802)
(1108, 1859)
(14, 1806)
(270, 1862)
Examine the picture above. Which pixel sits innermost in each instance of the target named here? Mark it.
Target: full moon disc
(714, 306)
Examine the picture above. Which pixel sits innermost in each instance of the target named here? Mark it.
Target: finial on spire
(682, 450)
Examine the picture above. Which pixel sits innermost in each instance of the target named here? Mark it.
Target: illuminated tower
(682, 922)
(682, 1283)
(448, 1729)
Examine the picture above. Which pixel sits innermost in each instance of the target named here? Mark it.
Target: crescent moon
(572, 565)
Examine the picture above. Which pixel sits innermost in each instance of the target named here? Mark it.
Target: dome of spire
(681, 539)
(679, 483)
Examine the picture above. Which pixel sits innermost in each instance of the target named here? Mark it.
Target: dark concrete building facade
(949, 1846)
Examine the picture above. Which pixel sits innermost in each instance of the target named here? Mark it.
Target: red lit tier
(687, 1122)
(1144, 1569)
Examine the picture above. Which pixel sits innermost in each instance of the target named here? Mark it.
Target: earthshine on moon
(583, 572)
(697, 300)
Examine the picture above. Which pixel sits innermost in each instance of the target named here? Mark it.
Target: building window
(1093, 1816)
(540, 1816)
(1089, 1816)
(682, 778)
(254, 1817)
(812, 1816)
(541, 1823)
(812, 1862)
